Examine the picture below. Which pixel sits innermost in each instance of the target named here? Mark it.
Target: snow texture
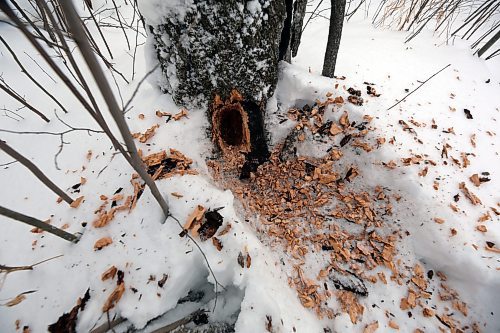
(145, 249)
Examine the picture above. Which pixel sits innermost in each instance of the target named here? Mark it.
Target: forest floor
(387, 220)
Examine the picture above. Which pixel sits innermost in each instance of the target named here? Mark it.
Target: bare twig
(217, 284)
(43, 70)
(61, 135)
(38, 224)
(10, 269)
(35, 170)
(489, 44)
(100, 32)
(312, 14)
(75, 25)
(21, 100)
(411, 92)
(8, 163)
(138, 86)
(23, 70)
(121, 24)
(30, 22)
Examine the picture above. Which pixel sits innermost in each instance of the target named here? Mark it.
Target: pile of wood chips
(311, 205)
(161, 166)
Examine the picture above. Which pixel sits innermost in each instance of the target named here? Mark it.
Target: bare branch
(23, 70)
(21, 100)
(35, 170)
(38, 224)
(78, 32)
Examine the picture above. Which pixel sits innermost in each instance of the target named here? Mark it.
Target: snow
(143, 247)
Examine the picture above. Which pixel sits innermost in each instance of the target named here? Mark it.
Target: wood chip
(195, 217)
(481, 228)
(103, 242)
(335, 129)
(393, 325)
(226, 229)
(180, 114)
(114, 297)
(492, 248)
(76, 203)
(371, 328)
(150, 132)
(468, 194)
(428, 312)
(109, 273)
(217, 243)
(438, 220)
(344, 120)
(15, 301)
(475, 180)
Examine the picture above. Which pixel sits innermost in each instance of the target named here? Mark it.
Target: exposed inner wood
(230, 126)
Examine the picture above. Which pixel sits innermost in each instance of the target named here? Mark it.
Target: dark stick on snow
(34, 169)
(38, 224)
(10, 269)
(176, 324)
(411, 92)
(75, 25)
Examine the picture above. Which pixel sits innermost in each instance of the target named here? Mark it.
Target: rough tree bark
(224, 55)
(299, 11)
(334, 34)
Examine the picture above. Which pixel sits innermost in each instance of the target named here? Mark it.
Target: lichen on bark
(217, 46)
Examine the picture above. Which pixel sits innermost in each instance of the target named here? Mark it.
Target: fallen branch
(411, 92)
(38, 224)
(10, 269)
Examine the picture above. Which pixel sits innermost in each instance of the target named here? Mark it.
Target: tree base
(238, 129)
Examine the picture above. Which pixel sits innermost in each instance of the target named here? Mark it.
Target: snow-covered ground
(434, 231)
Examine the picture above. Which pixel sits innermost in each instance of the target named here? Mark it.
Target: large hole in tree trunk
(238, 129)
(231, 126)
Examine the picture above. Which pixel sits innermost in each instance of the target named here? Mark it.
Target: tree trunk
(334, 35)
(299, 11)
(224, 55)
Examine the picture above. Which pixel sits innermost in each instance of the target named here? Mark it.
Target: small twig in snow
(206, 260)
(411, 92)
